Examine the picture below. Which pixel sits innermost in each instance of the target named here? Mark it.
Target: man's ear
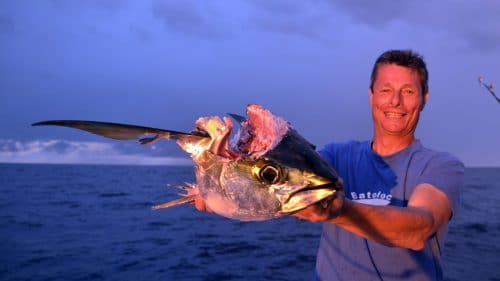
(370, 96)
(426, 97)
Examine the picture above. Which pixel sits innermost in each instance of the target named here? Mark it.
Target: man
(399, 195)
(390, 221)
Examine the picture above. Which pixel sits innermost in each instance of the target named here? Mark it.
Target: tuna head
(265, 170)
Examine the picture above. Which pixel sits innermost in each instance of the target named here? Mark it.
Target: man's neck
(389, 145)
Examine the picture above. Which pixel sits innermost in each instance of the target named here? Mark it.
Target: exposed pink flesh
(261, 132)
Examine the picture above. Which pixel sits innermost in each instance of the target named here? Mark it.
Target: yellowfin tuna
(262, 171)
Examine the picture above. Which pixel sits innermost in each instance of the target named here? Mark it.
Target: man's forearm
(406, 227)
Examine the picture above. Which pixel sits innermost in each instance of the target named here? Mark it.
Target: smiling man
(391, 220)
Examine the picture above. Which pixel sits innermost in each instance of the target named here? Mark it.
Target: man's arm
(428, 209)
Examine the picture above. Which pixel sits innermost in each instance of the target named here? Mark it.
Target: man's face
(396, 100)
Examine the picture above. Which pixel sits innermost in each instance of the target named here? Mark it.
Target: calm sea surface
(77, 222)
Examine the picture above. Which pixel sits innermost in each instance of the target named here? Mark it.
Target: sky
(165, 63)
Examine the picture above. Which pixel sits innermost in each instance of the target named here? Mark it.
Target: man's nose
(396, 98)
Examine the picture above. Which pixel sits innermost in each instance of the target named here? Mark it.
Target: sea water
(95, 222)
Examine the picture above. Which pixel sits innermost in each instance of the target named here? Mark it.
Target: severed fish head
(260, 170)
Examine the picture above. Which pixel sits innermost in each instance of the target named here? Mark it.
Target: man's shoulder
(348, 146)
(436, 155)
(341, 153)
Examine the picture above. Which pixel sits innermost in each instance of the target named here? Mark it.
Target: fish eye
(269, 174)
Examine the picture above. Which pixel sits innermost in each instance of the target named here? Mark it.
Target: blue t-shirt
(372, 179)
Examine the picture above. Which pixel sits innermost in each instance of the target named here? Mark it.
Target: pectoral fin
(179, 201)
(117, 131)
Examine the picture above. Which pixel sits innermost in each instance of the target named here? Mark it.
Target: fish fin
(119, 131)
(175, 202)
(237, 117)
(188, 187)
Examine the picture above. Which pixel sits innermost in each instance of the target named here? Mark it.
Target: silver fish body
(263, 171)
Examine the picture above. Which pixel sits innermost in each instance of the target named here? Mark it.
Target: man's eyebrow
(387, 84)
(410, 85)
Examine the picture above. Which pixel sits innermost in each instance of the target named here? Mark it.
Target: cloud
(476, 24)
(78, 152)
(307, 19)
(195, 18)
(226, 19)
(7, 24)
(140, 33)
(108, 6)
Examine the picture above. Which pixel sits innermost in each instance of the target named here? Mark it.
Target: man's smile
(394, 115)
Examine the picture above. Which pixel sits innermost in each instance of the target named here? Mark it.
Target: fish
(261, 170)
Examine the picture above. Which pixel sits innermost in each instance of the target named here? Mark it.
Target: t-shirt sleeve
(328, 152)
(338, 154)
(446, 173)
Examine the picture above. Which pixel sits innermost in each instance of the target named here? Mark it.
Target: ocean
(95, 222)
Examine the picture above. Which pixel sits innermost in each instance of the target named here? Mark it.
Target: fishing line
(405, 203)
(372, 260)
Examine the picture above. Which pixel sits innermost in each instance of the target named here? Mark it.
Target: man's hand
(325, 210)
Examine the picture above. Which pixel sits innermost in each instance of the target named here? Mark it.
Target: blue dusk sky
(166, 63)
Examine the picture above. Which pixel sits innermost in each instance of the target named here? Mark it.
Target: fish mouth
(300, 198)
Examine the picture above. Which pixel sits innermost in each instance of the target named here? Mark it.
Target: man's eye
(408, 91)
(385, 91)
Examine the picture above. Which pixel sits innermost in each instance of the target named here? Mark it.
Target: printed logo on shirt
(372, 198)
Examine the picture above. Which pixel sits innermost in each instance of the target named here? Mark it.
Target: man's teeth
(393, 114)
